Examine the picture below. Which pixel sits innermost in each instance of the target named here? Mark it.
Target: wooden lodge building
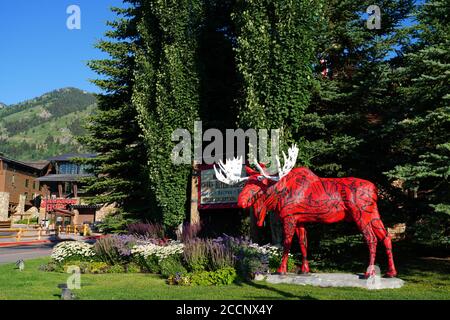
(62, 188)
(19, 187)
(53, 188)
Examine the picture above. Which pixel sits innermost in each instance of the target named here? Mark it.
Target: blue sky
(38, 53)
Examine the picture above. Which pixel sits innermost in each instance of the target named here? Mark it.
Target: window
(68, 168)
(27, 183)
(34, 185)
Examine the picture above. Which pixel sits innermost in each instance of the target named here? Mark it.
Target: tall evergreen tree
(114, 132)
(346, 119)
(422, 129)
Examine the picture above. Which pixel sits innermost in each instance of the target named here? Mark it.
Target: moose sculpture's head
(257, 182)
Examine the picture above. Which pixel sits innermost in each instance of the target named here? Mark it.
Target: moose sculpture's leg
(384, 236)
(289, 226)
(301, 234)
(371, 240)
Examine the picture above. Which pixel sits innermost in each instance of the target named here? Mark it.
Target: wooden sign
(52, 204)
(213, 194)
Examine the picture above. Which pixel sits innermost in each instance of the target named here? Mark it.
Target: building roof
(63, 177)
(69, 156)
(24, 165)
(38, 164)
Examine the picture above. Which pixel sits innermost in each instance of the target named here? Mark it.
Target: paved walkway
(14, 253)
(30, 248)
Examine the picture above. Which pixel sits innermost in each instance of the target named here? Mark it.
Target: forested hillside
(45, 126)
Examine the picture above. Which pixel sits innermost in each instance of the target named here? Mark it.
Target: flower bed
(72, 250)
(217, 261)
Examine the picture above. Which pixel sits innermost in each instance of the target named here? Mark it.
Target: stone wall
(21, 206)
(4, 206)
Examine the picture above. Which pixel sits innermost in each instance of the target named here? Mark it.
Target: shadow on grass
(281, 293)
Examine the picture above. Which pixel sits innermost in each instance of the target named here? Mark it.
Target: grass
(426, 279)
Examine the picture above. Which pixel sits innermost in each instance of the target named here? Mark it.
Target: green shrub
(95, 267)
(52, 266)
(223, 276)
(179, 280)
(117, 268)
(99, 267)
(250, 262)
(432, 230)
(201, 278)
(25, 221)
(275, 261)
(151, 264)
(171, 266)
(132, 268)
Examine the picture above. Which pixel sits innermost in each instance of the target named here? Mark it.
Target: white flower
(67, 249)
(268, 250)
(160, 252)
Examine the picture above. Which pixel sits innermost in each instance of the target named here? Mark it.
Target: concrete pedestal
(337, 280)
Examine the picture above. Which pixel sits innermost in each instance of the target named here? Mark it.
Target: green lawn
(425, 279)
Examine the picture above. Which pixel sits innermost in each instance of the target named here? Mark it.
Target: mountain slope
(45, 126)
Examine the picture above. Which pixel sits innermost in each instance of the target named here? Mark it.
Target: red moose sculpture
(298, 196)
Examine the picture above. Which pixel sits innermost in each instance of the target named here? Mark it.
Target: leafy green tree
(275, 54)
(166, 95)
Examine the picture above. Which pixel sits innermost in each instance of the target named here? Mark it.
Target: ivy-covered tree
(166, 95)
(422, 129)
(113, 131)
(275, 55)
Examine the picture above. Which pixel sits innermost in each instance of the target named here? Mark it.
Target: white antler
(230, 172)
(289, 162)
(261, 170)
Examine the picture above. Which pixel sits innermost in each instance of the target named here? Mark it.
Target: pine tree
(424, 96)
(352, 101)
(113, 131)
